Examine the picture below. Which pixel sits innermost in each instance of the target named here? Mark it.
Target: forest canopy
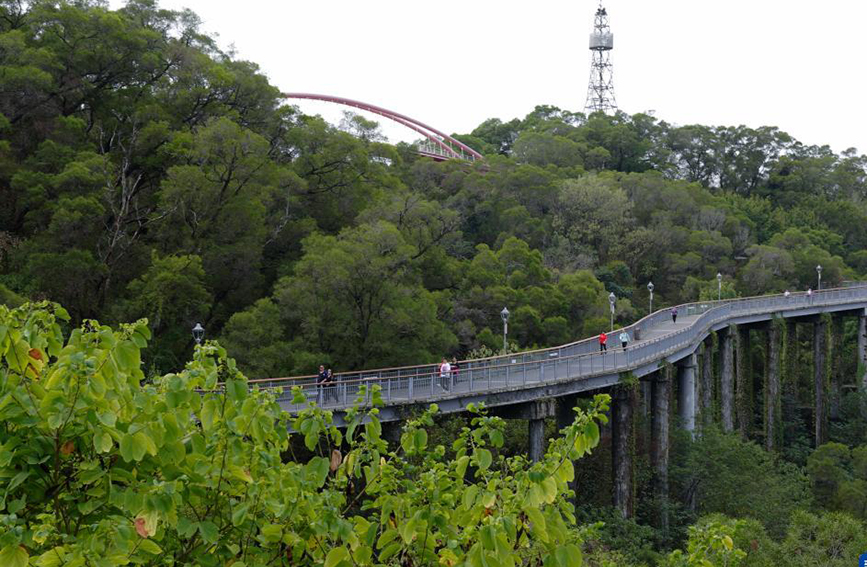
(151, 174)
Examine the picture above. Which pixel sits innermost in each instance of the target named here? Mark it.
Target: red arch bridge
(436, 145)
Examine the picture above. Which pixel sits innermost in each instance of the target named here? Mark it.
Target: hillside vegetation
(146, 173)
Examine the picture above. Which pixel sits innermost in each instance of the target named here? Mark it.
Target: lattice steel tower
(600, 91)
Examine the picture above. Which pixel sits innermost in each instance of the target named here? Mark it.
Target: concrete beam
(686, 384)
(622, 407)
(727, 387)
(820, 354)
(772, 387)
(659, 446)
(534, 409)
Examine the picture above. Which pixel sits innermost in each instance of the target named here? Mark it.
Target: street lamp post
(611, 299)
(819, 272)
(719, 286)
(504, 314)
(198, 333)
(650, 289)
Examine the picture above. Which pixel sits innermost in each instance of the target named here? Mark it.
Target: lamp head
(198, 332)
(505, 315)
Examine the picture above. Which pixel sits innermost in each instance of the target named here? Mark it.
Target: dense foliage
(146, 175)
(102, 468)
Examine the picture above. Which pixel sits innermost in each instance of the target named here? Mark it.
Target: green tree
(105, 468)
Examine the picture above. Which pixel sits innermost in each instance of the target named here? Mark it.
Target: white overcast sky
(795, 64)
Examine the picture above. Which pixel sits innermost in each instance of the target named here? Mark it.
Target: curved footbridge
(674, 362)
(573, 368)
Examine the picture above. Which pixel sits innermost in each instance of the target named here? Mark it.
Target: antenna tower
(600, 91)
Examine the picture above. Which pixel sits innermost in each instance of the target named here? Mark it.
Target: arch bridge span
(572, 368)
(438, 146)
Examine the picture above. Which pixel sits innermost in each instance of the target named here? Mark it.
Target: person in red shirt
(603, 339)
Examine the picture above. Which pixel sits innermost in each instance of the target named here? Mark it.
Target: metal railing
(572, 361)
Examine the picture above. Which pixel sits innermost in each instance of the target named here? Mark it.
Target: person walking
(321, 380)
(454, 367)
(624, 339)
(330, 386)
(603, 339)
(674, 315)
(445, 373)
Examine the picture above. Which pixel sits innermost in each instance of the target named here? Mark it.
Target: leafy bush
(101, 467)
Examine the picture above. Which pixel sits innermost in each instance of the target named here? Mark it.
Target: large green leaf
(14, 555)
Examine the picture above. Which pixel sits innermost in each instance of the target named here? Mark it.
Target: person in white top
(786, 293)
(624, 339)
(445, 373)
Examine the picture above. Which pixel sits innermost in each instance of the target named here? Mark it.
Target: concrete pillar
(744, 382)
(706, 388)
(535, 412)
(646, 406)
(862, 349)
(565, 417)
(772, 387)
(391, 432)
(835, 393)
(727, 386)
(820, 353)
(565, 413)
(659, 446)
(686, 392)
(536, 439)
(623, 402)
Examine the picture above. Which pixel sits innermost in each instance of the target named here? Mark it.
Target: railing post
(410, 385)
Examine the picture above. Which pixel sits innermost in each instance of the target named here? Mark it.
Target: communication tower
(600, 91)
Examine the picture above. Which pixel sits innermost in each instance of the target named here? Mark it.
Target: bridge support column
(537, 412)
(772, 386)
(835, 393)
(646, 408)
(706, 384)
(686, 393)
(391, 432)
(622, 431)
(862, 349)
(565, 418)
(820, 357)
(744, 382)
(727, 388)
(536, 439)
(660, 443)
(565, 414)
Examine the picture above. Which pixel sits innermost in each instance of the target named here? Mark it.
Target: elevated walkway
(572, 368)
